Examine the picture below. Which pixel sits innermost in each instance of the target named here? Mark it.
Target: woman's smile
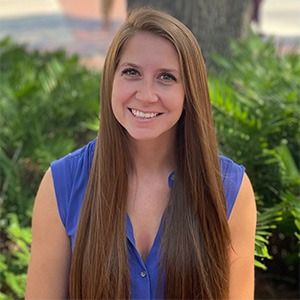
(148, 92)
(144, 115)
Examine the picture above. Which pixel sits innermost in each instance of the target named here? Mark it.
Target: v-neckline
(154, 248)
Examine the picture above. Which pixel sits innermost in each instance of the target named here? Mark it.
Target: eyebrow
(129, 64)
(165, 70)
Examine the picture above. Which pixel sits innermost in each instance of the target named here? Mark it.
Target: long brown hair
(195, 242)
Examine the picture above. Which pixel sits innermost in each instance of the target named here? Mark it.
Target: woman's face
(148, 92)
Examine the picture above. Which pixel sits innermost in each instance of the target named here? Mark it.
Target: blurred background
(80, 27)
(51, 57)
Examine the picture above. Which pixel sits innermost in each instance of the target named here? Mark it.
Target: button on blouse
(143, 275)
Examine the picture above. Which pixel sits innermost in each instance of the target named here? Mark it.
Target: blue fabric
(70, 176)
(232, 176)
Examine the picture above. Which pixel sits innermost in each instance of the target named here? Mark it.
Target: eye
(131, 72)
(167, 77)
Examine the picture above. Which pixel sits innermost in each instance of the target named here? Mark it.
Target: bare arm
(242, 224)
(48, 272)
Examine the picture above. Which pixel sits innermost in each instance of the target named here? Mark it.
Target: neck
(153, 156)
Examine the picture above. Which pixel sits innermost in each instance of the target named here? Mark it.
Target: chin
(143, 138)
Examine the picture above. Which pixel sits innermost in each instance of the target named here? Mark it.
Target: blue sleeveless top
(70, 176)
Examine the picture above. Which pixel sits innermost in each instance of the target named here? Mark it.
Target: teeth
(141, 114)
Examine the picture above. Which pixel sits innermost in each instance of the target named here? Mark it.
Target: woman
(149, 209)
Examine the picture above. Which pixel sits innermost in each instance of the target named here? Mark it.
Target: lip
(144, 119)
(145, 112)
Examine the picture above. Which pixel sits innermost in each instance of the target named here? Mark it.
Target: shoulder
(230, 170)
(70, 176)
(67, 167)
(50, 249)
(232, 177)
(71, 160)
(242, 225)
(244, 210)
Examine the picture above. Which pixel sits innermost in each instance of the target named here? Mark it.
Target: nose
(146, 91)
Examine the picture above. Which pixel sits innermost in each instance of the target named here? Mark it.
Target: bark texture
(213, 22)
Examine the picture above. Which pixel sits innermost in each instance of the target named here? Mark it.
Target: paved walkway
(76, 25)
(281, 19)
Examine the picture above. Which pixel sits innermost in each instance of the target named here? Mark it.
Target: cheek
(181, 106)
(116, 108)
(115, 100)
(120, 92)
(177, 101)
(116, 95)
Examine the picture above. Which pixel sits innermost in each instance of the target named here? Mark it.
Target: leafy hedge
(47, 102)
(255, 98)
(49, 106)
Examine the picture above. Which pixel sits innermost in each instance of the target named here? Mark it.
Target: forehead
(148, 46)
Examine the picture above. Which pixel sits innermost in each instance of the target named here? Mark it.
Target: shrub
(49, 106)
(46, 102)
(14, 257)
(255, 96)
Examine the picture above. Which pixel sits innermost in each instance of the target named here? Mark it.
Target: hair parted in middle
(195, 241)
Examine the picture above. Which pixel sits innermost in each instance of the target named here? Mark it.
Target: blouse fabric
(70, 176)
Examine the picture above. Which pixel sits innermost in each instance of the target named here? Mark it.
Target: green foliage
(46, 102)
(255, 96)
(45, 99)
(14, 257)
(49, 106)
(265, 224)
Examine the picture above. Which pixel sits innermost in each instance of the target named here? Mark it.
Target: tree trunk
(213, 22)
